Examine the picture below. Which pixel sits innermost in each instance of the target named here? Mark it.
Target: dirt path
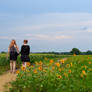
(5, 79)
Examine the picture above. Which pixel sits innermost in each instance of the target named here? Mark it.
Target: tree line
(73, 51)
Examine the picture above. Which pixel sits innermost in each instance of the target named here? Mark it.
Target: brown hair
(13, 42)
(25, 41)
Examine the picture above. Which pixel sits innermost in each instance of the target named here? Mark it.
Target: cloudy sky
(49, 25)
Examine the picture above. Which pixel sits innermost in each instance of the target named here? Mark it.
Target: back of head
(13, 42)
(25, 41)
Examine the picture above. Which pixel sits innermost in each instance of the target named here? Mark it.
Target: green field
(49, 73)
(4, 60)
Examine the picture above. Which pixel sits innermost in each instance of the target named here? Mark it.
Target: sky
(49, 25)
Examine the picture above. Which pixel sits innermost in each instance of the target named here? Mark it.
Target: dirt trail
(5, 79)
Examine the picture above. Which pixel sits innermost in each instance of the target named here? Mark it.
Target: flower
(65, 74)
(40, 68)
(59, 76)
(23, 68)
(27, 71)
(35, 71)
(89, 62)
(53, 68)
(58, 64)
(71, 64)
(74, 54)
(67, 65)
(62, 61)
(44, 71)
(36, 63)
(28, 63)
(46, 58)
(51, 61)
(81, 75)
(83, 72)
(60, 69)
(17, 72)
(40, 63)
(69, 71)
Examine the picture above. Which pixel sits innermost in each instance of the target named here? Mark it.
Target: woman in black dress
(25, 51)
(13, 51)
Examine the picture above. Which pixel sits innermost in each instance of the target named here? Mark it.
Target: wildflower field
(54, 73)
(71, 74)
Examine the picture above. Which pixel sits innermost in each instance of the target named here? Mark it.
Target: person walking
(13, 51)
(25, 51)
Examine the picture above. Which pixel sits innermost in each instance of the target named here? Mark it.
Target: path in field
(5, 79)
(8, 77)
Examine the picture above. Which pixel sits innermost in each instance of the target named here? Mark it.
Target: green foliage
(75, 76)
(75, 51)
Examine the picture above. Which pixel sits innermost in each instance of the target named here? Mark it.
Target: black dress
(13, 53)
(25, 51)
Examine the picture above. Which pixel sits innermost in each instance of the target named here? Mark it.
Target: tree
(75, 51)
(89, 52)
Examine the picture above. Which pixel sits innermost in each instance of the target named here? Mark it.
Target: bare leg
(11, 66)
(14, 66)
(25, 64)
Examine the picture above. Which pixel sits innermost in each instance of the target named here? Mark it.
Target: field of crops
(53, 73)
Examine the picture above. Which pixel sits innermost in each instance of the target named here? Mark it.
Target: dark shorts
(25, 58)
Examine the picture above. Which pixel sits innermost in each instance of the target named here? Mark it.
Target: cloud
(47, 37)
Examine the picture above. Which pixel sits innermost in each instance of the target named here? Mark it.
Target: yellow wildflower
(44, 70)
(53, 68)
(89, 62)
(74, 54)
(58, 64)
(83, 72)
(36, 63)
(65, 74)
(69, 71)
(23, 68)
(17, 72)
(62, 61)
(67, 65)
(59, 76)
(28, 63)
(46, 58)
(60, 69)
(35, 71)
(40, 68)
(51, 61)
(71, 64)
(40, 63)
(81, 75)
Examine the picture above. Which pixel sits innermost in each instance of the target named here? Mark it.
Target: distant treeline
(73, 51)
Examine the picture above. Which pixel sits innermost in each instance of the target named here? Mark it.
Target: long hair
(13, 42)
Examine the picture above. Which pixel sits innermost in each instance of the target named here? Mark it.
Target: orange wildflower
(89, 62)
(58, 64)
(51, 61)
(83, 72)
